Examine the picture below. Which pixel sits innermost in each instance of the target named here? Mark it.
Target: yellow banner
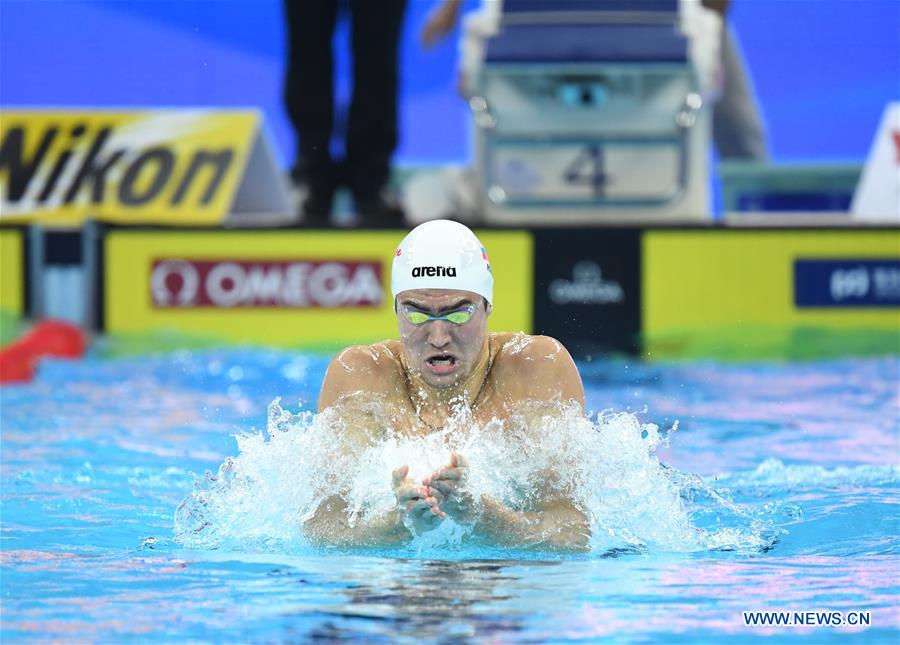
(177, 167)
(12, 272)
(281, 288)
(697, 283)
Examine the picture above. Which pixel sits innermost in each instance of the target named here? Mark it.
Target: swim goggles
(458, 317)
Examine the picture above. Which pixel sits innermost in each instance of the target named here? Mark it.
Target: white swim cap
(442, 254)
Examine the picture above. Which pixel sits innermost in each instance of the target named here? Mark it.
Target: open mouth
(442, 361)
(442, 364)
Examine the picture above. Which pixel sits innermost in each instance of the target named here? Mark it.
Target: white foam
(607, 466)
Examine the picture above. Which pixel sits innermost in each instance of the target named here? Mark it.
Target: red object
(19, 359)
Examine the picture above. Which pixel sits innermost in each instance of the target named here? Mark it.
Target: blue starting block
(590, 111)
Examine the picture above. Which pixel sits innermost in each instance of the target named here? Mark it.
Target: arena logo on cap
(181, 283)
(434, 272)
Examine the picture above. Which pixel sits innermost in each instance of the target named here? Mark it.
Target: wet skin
(437, 369)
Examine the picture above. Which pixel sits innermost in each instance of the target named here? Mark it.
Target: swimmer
(444, 364)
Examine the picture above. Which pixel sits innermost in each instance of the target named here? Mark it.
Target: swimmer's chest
(496, 401)
(405, 422)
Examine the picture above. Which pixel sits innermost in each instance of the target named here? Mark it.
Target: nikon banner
(174, 167)
(281, 288)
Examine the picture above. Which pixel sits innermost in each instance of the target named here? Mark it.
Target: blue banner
(847, 283)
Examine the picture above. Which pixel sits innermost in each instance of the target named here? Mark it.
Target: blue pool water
(779, 490)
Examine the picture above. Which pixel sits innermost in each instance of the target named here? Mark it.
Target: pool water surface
(764, 486)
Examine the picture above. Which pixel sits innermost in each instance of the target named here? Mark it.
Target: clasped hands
(438, 496)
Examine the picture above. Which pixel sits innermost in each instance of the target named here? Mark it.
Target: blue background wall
(823, 69)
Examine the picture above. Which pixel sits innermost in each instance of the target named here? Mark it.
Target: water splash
(774, 473)
(607, 464)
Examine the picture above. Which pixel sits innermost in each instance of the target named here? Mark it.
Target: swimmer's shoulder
(521, 349)
(371, 368)
(537, 367)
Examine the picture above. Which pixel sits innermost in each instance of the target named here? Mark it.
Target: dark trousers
(371, 135)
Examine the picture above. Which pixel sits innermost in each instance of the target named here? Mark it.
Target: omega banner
(282, 288)
(175, 167)
(587, 289)
(181, 283)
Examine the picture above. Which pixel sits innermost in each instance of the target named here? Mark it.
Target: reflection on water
(267, 597)
(430, 600)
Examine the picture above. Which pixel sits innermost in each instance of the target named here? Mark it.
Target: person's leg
(308, 94)
(737, 126)
(372, 124)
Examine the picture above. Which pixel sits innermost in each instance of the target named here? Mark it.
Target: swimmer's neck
(431, 402)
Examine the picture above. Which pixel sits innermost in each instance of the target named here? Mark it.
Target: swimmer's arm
(557, 525)
(330, 526)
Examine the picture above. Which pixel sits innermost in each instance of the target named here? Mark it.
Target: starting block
(590, 111)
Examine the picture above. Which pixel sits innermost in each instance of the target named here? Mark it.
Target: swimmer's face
(441, 352)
